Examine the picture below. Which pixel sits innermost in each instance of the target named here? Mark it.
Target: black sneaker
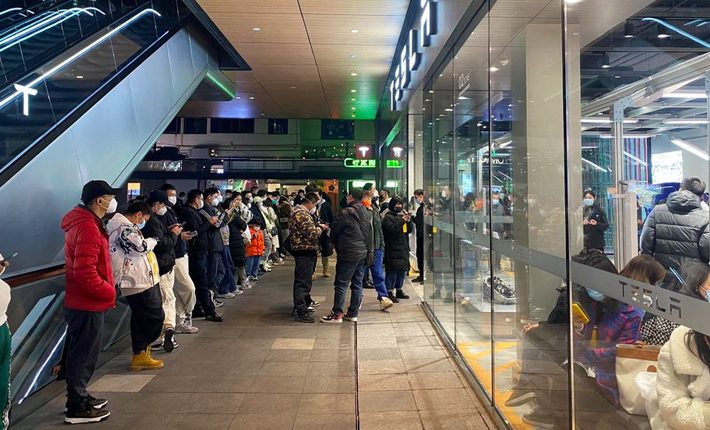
(214, 317)
(96, 403)
(393, 297)
(168, 344)
(304, 318)
(418, 279)
(539, 419)
(314, 304)
(401, 295)
(84, 413)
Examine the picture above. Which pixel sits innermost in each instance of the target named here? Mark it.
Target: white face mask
(215, 202)
(172, 199)
(201, 205)
(112, 206)
(313, 210)
(162, 211)
(219, 199)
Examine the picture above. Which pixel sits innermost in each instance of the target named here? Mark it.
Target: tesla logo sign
(418, 39)
(26, 93)
(363, 152)
(397, 151)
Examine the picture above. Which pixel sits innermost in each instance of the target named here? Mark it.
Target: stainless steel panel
(181, 67)
(154, 79)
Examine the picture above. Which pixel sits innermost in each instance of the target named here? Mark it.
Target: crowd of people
(177, 257)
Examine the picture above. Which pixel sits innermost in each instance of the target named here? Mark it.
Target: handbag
(154, 268)
(630, 361)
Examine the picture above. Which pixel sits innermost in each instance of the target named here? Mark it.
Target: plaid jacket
(614, 328)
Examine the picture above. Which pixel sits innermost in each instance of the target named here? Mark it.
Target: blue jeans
(348, 273)
(378, 275)
(213, 259)
(395, 279)
(253, 265)
(227, 285)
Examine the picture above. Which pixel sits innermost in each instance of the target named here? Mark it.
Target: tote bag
(630, 361)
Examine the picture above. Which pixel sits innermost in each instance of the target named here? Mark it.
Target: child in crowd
(255, 249)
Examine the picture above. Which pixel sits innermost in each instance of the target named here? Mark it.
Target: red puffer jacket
(90, 284)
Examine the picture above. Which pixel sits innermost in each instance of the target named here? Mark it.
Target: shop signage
(395, 164)
(353, 163)
(363, 152)
(411, 53)
(397, 151)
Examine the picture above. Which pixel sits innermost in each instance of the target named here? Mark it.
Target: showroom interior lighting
(690, 148)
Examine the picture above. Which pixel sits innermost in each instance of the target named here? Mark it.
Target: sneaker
(238, 292)
(393, 297)
(385, 303)
(246, 286)
(168, 343)
(539, 419)
(350, 318)
(519, 398)
(311, 309)
(218, 303)
(96, 403)
(226, 296)
(401, 295)
(255, 278)
(418, 279)
(214, 317)
(84, 413)
(304, 318)
(332, 319)
(183, 328)
(326, 274)
(315, 304)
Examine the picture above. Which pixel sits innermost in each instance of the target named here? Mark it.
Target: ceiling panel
(358, 7)
(287, 80)
(275, 53)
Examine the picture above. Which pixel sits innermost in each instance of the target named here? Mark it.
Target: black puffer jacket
(347, 233)
(677, 232)
(165, 249)
(237, 247)
(594, 234)
(396, 240)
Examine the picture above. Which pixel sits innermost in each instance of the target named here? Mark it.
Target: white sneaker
(238, 292)
(385, 303)
(185, 329)
(226, 296)
(246, 286)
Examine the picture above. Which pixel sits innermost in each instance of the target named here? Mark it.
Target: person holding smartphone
(595, 222)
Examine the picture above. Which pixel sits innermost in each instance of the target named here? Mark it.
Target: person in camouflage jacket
(304, 243)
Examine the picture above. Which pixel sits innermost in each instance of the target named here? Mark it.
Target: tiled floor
(261, 370)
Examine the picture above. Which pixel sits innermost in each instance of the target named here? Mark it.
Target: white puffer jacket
(129, 256)
(683, 387)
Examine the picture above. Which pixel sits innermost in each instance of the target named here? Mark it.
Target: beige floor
(261, 370)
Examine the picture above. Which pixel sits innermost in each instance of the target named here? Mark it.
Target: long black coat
(594, 234)
(237, 247)
(396, 242)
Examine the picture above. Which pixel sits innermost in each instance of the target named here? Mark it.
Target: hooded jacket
(165, 249)
(305, 234)
(677, 232)
(256, 247)
(129, 250)
(197, 223)
(351, 232)
(683, 387)
(89, 279)
(237, 247)
(396, 240)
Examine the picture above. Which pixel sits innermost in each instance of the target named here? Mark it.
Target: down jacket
(165, 249)
(256, 247)
(237, 247)
(89, 279)
(677, 232)
(305, 234)
(683, 387)
(129, 256)
(347, 233)
(396, 240)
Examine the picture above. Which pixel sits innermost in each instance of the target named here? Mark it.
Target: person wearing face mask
(595, 222)
(375, 271)
(266, 228)
(255, 250)
(5, 349)
(183, 288)
(305, 237)
(419, 224)
(215, 243)
(167, 237)
(396, 228)
(384, 201)
(136, 272)
(284, 213)
(89, 292)
(198, 249)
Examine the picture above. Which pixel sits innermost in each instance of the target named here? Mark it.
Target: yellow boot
(144, 361)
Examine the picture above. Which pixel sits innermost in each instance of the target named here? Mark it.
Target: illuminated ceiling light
(686, 95)
(353, 55)
(352, 100)
(353, 91)
(354, 31)
(662, 32)
(353, 108)
(677, 30)
(606, 121)
(449, 110)
(605, 61)
(690, 148)
(80, 76)
(353, 73)
(431, 91)
(251, 97)
(238, 97)
(628, 30)
(494, 69)
(256, 29)
(685, 121)
(293, 88)
(596, 166)
(628, 136)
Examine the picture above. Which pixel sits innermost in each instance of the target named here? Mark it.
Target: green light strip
(221, 85)
(394, 132)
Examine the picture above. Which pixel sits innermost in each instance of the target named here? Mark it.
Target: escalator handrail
(38, 275)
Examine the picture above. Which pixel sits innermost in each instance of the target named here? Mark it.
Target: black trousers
(303, 281)
(147, 318)
(420, 256)
(198, 274)
(84, 330)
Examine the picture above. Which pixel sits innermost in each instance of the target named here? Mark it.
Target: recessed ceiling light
(494, 69)
(353, 108)
(353, 55)
(256, 28)
(354, 31)
(431, 91)
(251, 97)
(293, 88)
(352, 100)
(353, 91)
(238, 98)
(79, 76)
(353, 73)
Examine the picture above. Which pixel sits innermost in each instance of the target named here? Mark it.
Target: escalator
(94, 85)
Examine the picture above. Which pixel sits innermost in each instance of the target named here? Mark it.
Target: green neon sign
(353, 163)
(395, 164)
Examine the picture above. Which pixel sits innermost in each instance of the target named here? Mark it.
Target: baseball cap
(158, 196)
(94, 189)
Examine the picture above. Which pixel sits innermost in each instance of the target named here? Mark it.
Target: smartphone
(193, 233)
(579, 313)
(9, 258)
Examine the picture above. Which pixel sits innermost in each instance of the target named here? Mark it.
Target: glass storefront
(554, 139)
